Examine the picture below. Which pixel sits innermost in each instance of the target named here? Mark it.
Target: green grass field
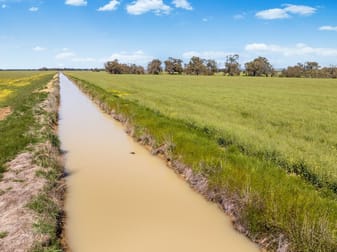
(17, 92)
(12, 75)
(290, 121)
(269, 143)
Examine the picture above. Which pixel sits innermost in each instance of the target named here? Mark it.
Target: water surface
(121, 202)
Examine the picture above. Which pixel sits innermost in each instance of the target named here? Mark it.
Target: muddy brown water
(121, 202)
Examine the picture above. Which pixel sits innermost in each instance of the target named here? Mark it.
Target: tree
(311, 69)
(211, 66)
(113, 67)
(134, 69)
(296, 71)
(196, 66)
(173, 66)
(328, 72)
(232, 66)
(154, 67)
(259, 67)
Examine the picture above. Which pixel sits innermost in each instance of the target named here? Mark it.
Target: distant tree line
(114, 67)
(259, 66)
(309, 69)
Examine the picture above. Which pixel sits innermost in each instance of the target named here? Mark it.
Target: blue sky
(86, 33)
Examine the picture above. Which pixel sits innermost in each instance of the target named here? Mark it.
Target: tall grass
(270, 202)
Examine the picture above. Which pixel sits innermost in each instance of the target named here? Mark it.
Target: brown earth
(18, 186)
(4, 112)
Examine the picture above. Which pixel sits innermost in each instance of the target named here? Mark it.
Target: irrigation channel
(118, 201)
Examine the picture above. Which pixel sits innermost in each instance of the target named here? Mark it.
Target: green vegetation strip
(15, 132)
(32, 128)
(269, 202)
(13, 75)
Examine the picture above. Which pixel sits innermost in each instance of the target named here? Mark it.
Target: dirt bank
(30, 176)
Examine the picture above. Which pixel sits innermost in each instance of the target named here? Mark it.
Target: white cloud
(76, 2)
(137, 57)
(33, 9)
(328, 28)
(272, 14)
(3, 6)
(39, 49)
(112, 5)
(139, 7)
(299, 9)
(184, 4)
(286, 12)
(205, 20)
(299, 49)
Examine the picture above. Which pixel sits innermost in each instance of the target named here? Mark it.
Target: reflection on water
(130, 203)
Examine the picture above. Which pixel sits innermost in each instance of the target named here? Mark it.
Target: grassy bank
(30, 163)
(268, 201)
(19, 96)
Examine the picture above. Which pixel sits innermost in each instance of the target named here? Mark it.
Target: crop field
(271, 143)
(291, 121)
(17, 98)
(12, 75)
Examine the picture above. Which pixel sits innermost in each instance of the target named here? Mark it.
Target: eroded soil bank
(122, 198)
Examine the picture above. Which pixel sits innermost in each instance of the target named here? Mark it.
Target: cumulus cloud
(328, 28)
(139, 7)
(184, 4)
(76, 2)
(276, 13)
(299, 49)
(302, 10)
(137, 57)
(39, 49)
(286, 12)
(33, 9)
(3, 6)
(112, 5)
